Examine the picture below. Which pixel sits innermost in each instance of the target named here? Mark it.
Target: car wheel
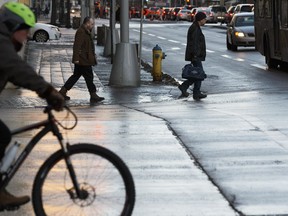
(233, 47)
(228, 45)
(271, 63)
(41, 36)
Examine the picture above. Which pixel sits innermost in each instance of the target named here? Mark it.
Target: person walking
(46, 11)
(84, 58)
(195, 53)
(15, 21)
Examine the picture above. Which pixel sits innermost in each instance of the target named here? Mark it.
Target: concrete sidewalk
(168, 181)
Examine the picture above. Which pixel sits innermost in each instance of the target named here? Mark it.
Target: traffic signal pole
(125, 71)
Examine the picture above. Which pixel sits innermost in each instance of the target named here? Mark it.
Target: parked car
(230, 13)
(240, 31)
(166, 13)
(182, 14)
(153, 13)
(174, 12)
(218, 13)
(240, 8)
(42, 32)
(135, 12)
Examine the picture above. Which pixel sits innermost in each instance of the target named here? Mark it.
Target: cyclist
(15, 21)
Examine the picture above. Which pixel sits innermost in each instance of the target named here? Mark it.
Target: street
(225, 155)
(227, 71)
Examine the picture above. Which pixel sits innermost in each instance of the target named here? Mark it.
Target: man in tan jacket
(83, 58)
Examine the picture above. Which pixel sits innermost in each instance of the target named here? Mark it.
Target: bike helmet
(17, 16)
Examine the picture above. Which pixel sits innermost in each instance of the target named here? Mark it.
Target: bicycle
(80, 179)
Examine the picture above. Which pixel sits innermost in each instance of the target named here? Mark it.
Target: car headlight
(55, 29)
(239, 34)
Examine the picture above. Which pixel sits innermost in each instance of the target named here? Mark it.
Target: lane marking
(239, 59)
(173, 41)
(162, 38)
(259, 66)
(226, 56)
(210, 51)
(152, 35)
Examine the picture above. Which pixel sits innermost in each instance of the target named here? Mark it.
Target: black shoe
(199, 96)
(9, 202)
(184, 92)
(63, 92)
(95, 98)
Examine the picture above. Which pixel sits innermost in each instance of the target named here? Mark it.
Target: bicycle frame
(49, 125)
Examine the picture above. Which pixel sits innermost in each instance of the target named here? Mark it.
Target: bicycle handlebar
(48, 110)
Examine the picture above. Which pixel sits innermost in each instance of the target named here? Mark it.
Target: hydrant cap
(157, 47)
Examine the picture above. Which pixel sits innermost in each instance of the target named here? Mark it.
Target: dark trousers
(86, 72)
(5, 138)
(197, 83)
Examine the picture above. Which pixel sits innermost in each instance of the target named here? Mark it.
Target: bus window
(284, 16)
(268, 6)
(261, 8)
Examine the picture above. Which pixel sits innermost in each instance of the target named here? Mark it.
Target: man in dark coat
(195, 53)
(84, 58)
(15, 21)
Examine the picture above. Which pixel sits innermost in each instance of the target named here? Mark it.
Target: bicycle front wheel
(102, 176)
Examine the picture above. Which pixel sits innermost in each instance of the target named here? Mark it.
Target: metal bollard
(158, 55)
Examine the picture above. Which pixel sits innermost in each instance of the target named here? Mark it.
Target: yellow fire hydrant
(158, 55)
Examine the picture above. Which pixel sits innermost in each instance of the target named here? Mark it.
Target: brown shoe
(10, 202)
(94, 98)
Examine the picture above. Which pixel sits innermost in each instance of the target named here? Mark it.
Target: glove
(56, 100)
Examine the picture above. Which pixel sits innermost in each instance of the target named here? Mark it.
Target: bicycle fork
(80, 193)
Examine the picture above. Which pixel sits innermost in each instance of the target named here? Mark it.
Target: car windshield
(218, 9)
(204, 10)
(246, 8)
(244, 21)
(184, 11)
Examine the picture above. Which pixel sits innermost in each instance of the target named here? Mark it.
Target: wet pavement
(225, 155)
(168, 180)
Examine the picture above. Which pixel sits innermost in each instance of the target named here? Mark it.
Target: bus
(271, 31)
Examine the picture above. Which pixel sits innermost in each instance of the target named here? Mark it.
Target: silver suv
(240, 8)
(218, 13)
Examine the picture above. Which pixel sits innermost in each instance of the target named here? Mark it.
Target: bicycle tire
(111, 189)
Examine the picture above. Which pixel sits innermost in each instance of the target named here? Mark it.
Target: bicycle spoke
(98, 173)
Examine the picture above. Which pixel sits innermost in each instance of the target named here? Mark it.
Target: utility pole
(84, 9)
(92, 15)
(125, 70)
(112, 36)
(68, 20)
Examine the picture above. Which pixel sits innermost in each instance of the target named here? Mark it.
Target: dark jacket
(83, 48)
(196, 46)
(17, 71)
